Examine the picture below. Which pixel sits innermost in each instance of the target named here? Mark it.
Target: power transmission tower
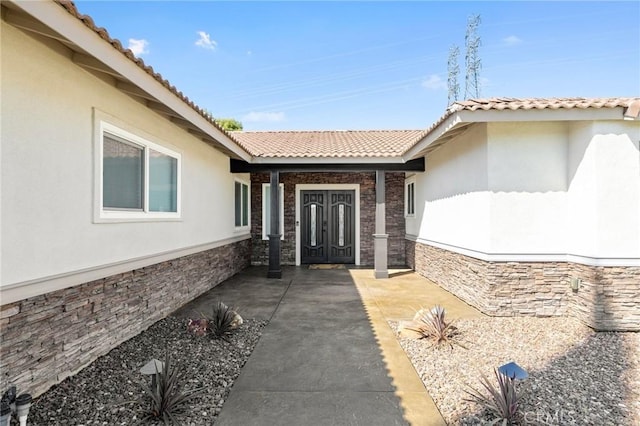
(453, 69)
(473, 63)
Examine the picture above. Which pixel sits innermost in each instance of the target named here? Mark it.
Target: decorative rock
(237, 321)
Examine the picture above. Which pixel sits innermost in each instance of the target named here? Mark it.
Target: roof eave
(453, 124)
(94, 53)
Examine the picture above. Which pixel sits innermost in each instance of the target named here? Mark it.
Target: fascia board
(62, 22)
(573, 114)
(482, 116)
(435, 134)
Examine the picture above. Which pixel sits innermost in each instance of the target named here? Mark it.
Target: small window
(266, 210)
(139, 179)
(241, 204)
(410, 198)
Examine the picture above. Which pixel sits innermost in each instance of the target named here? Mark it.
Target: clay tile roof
(540, 103)
(70, 7)
(498, 104)
(330, 144)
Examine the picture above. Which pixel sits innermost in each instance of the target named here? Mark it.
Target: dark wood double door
(327, 226)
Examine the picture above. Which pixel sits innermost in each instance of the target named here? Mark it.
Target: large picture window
(139, 179)
(266, 210)
(241, 204)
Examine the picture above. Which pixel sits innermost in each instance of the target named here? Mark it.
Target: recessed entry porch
(328, 213)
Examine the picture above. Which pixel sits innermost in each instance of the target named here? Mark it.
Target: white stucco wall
(535, 191)
(452, 198)
(604, 189)
(527, 182)
(47, 228)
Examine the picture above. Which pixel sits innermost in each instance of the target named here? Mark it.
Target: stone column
(380, 237)
(275, 271)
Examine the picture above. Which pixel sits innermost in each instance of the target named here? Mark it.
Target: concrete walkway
(328, 355)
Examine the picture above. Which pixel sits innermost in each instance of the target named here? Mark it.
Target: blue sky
(372, 65)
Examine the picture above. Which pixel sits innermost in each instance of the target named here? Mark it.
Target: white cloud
(205, 41)
(434, 82)
(138, 47)
(271, 117)
(511, 40)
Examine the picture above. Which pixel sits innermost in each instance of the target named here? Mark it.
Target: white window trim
(409, 181)
(248, 225)
(264, 210)
(102, 215)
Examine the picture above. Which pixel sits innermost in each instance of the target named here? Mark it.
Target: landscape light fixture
(513, 371)
(23, 403)
(152, 368)
(5, 413)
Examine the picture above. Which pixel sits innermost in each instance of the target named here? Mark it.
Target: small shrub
(199, 326)
(166, 398)
(223, 321)
(502, 402)
(433, 325)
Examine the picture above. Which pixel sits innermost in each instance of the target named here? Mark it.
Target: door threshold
(327, 266)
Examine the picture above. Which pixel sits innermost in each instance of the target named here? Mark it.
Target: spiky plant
(502, 402)
(433, 325)
(222, 322)
(166, 399)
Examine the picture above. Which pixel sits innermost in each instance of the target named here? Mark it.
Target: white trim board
(530, 257)
(18, 291)
(328, 187)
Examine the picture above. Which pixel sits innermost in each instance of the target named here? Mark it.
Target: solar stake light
(23, 403)
(152, 368)
(513, 371)
(5, 413)
(9, 397)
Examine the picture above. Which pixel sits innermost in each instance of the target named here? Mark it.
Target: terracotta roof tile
(533, 103)
(330, 144)
(539, 103)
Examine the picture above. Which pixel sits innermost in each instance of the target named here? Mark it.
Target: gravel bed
(101, 393)
(576, 376)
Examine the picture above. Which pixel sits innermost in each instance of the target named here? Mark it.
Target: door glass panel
(313, 225)
(341, 225)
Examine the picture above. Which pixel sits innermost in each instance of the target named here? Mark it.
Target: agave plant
(502, 402)
(166, 399)
(433, 325)
(223, 321)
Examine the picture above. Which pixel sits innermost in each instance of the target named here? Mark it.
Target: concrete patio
(328, 355)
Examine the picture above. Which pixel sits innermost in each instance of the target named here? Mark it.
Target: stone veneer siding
(46, 338)
(395, 226)
(608, 299)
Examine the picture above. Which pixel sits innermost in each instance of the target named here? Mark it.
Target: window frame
(265, 236)
(410, 197)
(134, 215)
(242, 227)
